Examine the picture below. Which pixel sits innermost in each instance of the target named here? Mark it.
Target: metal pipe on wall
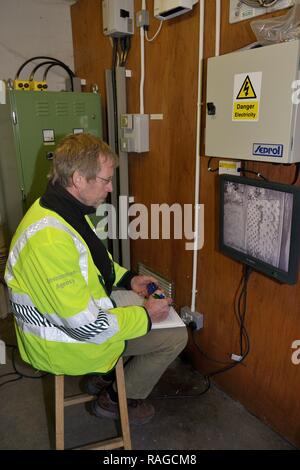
(142, 37)
(198, 149)
(218, 28)
(198, 136)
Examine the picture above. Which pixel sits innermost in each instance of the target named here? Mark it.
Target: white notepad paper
(125, 298)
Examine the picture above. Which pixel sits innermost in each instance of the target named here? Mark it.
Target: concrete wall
(32, 28)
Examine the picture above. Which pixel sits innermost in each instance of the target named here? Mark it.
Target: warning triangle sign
(247, 91)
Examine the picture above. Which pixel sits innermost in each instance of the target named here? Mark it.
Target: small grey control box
(118, 17)
(135, 133)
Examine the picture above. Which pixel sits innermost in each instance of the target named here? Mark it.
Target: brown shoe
(139, 411)
(94, 384)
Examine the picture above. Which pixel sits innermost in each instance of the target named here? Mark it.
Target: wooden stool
(61, 401)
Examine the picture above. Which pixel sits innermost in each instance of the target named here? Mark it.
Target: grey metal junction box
(252, 104)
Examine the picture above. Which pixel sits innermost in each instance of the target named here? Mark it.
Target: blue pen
(151, 288)
(158, 296)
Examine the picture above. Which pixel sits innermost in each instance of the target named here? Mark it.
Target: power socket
(142, 18)
(188, 317)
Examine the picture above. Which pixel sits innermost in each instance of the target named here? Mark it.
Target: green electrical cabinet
(31, 125)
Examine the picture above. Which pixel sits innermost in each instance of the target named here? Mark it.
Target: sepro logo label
(268, 150)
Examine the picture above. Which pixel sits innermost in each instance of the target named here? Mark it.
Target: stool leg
(59, 412)
(123, 404)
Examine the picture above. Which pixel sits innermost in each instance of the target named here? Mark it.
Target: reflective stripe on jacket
(65, 322)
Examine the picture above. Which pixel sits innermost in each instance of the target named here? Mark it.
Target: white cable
(142, 37)
(156, 34)
(218, 28)
(198, 146)
(197, 156)
(142, 34)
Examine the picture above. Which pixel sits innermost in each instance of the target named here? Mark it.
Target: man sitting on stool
(60, 277)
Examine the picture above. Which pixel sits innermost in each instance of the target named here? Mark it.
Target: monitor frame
(288, 277)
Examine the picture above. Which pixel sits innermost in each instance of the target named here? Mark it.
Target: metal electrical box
(118, 17)
(135, 133)
(167, 9)
(252, 104)
(31, 124)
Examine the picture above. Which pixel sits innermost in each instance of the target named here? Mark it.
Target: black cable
(241, 315)
(114, 53)
(122, 51)
(128, 46)
(20, 375)
(10, 373)
(9, 381)
(256, 173)
(53, 64)
(212, 170)
(40, 57)
(259, 175)
(243, 170)
(125, 44)
(243, 281)
(41, 64)
(237, 309)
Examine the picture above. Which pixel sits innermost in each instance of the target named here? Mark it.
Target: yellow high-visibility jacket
(65, 321)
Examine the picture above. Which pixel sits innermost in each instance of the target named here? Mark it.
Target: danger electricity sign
(246, 96)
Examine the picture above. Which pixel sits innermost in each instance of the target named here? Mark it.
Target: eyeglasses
(105, 180)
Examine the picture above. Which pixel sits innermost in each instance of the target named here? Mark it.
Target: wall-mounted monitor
(260, 225)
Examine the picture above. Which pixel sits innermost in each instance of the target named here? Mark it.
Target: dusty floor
(209, 421)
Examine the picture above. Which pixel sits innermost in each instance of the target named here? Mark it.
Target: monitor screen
(259, 226)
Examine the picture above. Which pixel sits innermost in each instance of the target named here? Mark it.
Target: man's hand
(158, 309)
(139, 284)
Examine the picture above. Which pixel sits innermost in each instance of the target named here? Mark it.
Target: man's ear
(77, 179)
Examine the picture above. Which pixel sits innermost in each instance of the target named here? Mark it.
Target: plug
(192, 319)
(192, 325)
(236, 357)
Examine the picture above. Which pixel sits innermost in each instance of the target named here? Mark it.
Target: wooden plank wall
(267, 383)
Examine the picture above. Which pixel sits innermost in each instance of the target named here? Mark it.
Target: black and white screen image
(257, 222)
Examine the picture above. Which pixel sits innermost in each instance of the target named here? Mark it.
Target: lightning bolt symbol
(246, 89)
